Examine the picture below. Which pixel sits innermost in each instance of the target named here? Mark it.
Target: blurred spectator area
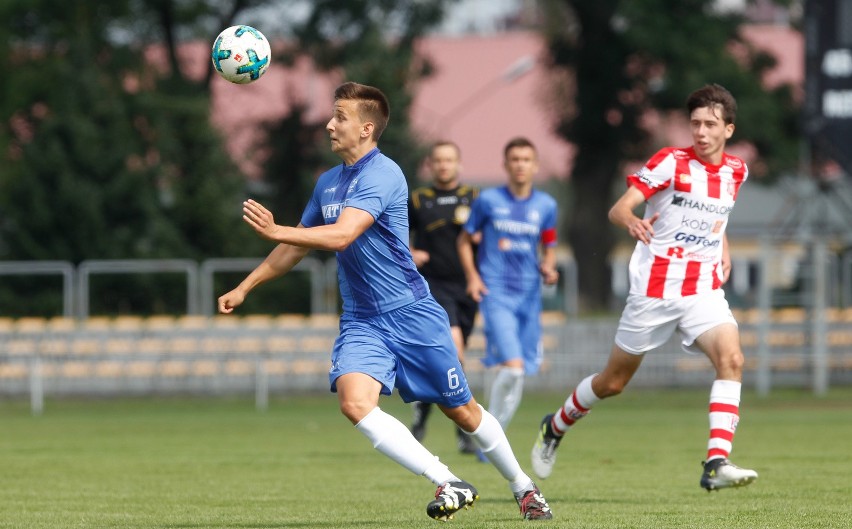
(287, 353)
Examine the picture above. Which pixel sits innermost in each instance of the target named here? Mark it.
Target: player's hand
(421, 257)
(549, 274)
(643, 229)
(260, 219)
(476, 289)
(228, 302)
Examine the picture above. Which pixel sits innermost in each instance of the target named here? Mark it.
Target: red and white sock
(575, 408)
(724, 417)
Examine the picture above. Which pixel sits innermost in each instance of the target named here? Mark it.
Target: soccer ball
(241, 54)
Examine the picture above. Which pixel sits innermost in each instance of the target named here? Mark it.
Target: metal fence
(792, 305)
(199, 277)
(263, 354)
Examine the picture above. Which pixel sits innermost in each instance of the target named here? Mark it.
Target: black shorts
(460, 307)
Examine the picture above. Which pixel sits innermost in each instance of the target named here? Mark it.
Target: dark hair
(373, 105)
(445, 143)
(712, 96)
(519, 141)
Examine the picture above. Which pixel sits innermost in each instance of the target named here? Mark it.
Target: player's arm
(335, 237)
(475, 286)
(726, 259)
(621, 214)
(420, 257)
(548, 269)
(280, 260)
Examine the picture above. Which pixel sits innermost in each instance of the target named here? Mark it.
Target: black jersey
(436, 217)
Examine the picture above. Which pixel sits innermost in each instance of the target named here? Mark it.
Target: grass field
(218, 463)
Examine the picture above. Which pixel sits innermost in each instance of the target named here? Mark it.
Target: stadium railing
(131, 355)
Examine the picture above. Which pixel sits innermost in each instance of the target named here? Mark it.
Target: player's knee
(608, 387)
(467, 416)
(355, 410)
(731, 363)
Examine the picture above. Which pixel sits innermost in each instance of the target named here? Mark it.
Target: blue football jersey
(376, 272)
(512, 230)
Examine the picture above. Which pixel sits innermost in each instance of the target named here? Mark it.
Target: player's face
(709, 133)
(521, 164)
(444, 164)
(345, 128)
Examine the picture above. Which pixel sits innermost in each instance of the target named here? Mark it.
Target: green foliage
(619, 60)
(111, 158)
(109, 155)
(298, 151)
(372, 42)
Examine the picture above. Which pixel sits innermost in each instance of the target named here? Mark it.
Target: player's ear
(367, 129)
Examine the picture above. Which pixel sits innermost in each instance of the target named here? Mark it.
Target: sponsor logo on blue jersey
(515, 227)
(331, 211)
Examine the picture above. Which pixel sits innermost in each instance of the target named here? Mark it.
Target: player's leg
(619, 369)
(357, 392)
(426, 368)
(506, 391)
(505, 350)
(359, 395)
(461, 326)
(646, 323)
(721, 344)
(429, 370)
(445, 294)
(464, 443)
(362, 369)
(419, 414)
(487, 433)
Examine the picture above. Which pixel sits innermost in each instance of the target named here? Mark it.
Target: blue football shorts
(410, 349)
(512, 326)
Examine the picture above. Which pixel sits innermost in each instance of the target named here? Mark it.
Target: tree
(112, 155)
(618, 60)
(372, 42)
(352, 40)
(108, 156)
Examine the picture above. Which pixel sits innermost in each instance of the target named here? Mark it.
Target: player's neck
(713, 158)
(452, 185)
(520, 190)
(352, 156)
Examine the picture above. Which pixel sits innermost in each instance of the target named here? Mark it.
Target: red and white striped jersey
(694, 200)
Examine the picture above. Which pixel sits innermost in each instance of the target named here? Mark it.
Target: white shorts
(647, 323)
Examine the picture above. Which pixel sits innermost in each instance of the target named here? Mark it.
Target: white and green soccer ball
(241, 54)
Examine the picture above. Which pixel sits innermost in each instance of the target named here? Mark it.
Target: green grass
(218, 463)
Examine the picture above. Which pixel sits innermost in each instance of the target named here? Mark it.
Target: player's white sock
(576, 406)
(393, 439)
(724, 417)
(491, 439)
(506, 393)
